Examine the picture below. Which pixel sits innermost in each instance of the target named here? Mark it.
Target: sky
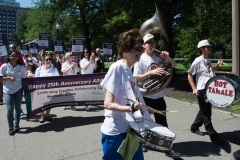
(25, 3)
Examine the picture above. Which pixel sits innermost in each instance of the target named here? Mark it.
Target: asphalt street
(75, 135)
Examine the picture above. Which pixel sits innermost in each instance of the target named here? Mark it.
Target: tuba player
(148, 66)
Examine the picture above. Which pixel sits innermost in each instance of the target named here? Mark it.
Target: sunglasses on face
(139, 48)
(151, 42)
(14, 55)
(85, 51)
(48, 59)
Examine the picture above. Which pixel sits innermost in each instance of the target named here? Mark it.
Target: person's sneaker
(41, 120)
(48, 118)
(173, 154)
(144, 149)
(87, 108)
(73, 108)
(16, 129)
(198, 132)
(218, 141)
(22, 113)
(11, 132)
(64, 108)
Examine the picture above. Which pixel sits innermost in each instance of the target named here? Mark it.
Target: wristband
(133, 109)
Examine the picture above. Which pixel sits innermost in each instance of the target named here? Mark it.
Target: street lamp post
(57, 27)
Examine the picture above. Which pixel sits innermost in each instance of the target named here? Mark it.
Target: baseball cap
(68, 54)
(203, 43)
(147, 37)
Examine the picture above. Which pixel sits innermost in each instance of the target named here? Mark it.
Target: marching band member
(115, 126)
(46, 70)
(147, 67)
(201, 67)
(69, 68)
(13, 71)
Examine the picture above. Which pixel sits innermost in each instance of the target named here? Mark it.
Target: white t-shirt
(115, 122)
(72, 71)
(146, 64)
(90, 68)
(43, 72)
(17, 72)
(203, 70)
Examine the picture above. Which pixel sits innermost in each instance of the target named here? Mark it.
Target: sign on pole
(58, 46)
(34, 48)
(107, 49)
(44, 41)
(78, 44)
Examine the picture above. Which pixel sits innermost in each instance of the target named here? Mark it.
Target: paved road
(75, 135)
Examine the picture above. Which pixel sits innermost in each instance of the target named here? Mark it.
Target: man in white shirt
(69, 68)
(202, 68)
(146, 67)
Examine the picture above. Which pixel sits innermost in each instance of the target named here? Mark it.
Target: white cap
(68, 54)
(147, 37)
(203, 43)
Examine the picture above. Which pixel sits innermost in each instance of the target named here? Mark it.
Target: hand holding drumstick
(150, 108)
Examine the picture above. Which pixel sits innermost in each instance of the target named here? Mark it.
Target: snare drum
(158, 136)
(222, 91)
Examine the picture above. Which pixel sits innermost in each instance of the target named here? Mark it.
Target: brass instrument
(156, 83)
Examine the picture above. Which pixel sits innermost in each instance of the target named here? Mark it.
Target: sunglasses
(14, 55)
(151, 42)
(48, 59)
(85, 52)
(139, 48)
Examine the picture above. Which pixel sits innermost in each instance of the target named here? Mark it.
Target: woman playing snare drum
(115, 125)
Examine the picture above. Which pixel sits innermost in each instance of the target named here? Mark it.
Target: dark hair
(8, 59)
(33, 68)
(127, 40)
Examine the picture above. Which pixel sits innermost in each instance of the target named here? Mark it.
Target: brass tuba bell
(154, 25)
(155, 84)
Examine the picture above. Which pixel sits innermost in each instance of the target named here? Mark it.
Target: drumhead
(158, 128)
(220, 91)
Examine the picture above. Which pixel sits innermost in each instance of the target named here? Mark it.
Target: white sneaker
(87, 108)
(73, 108)
(64, 108)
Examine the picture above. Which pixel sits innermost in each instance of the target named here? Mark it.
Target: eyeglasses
(14, 55)
(85, 51)
(48, 59)
(139, 48)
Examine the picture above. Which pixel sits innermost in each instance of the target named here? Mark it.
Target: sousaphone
(156, 83)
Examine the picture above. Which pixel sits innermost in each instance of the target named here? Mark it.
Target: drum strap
(136, 119)
(207, 68)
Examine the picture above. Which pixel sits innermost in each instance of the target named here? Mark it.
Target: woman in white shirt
(115, 125)
(13, 72)
(47, 70)
(69, 68)
(88, 65)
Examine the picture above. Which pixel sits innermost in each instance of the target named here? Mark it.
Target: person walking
(13, 71)
(202, 68)
(46, 70)
(69, 68)
(146, 67)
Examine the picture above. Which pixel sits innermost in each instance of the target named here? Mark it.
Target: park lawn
(181, 68)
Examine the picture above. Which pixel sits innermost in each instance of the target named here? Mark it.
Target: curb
(215, 110)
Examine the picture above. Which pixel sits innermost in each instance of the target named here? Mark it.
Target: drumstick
(150, 108)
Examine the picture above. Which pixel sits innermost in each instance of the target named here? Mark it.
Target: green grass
(181, 68)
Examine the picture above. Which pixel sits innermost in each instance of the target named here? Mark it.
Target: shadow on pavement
(60, 124)
(200, 148)
(232, 137)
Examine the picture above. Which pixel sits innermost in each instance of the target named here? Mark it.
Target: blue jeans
(111, 144)
(13, 101)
